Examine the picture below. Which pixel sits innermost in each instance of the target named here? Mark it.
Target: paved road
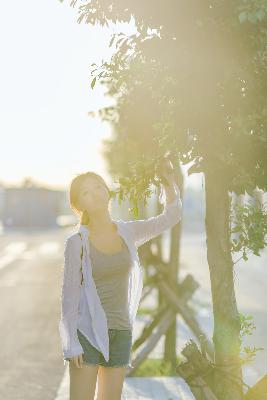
(31, 366)
(30, 271)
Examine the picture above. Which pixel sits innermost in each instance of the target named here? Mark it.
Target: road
(31, 365)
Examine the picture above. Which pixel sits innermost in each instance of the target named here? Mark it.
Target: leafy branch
(247, 328)
(250, 229)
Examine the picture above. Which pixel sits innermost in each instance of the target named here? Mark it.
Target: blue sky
(45, 94)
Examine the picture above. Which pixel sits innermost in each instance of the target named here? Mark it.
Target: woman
(102, 285)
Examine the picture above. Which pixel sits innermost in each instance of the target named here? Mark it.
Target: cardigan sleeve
(70, 296)
(143, 230)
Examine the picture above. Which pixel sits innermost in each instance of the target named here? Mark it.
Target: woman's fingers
(78, 361)
(167, 172)
(75, 362)
(166, 167)
(81, 360)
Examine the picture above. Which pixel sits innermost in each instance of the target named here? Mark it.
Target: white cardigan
(80, 304)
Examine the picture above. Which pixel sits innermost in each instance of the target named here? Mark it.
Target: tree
(192, 81)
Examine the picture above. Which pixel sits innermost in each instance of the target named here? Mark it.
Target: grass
(156, 367)
(144, 311)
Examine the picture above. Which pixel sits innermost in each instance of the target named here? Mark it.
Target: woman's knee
(82, 381)
(110, 382)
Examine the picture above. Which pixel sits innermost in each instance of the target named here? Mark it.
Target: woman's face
(93, 195)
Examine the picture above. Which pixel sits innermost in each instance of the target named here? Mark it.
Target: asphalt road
(30, 268)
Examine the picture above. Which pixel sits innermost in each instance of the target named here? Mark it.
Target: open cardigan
(80, 304)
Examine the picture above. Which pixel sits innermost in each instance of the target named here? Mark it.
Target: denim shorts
(120, 344)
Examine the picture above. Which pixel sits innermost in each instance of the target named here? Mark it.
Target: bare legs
(83, 382)
(110, 382)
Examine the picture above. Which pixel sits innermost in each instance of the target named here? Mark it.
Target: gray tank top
(111, 276)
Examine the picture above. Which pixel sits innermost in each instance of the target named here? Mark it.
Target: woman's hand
(166, 171)
(168, 179)
(78, 360)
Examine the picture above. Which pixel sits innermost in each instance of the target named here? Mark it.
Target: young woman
(102, 285)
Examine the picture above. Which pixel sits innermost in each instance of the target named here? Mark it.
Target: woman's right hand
(166, 171)
(77, 360)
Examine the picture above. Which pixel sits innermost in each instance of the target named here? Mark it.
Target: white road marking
(49, 248)
(11, 252)
(18, 249)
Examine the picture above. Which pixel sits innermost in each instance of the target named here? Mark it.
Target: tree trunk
(226, 334)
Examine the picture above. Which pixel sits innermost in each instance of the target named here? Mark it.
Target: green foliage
(202, 96)
(93, 82)
(138, 186)
(156, 367)
(247, 327)
(249, 353)
(252, 11)
(144, 311)
(250, 225)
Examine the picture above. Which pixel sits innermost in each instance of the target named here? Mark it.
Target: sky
(46, 132)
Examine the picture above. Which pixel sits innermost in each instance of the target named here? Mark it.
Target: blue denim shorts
(120, 344)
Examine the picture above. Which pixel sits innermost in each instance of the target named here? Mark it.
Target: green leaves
(101, 72)
(249, 229)
(137, 183)
(242, 16)
(93, 82)
(252, 17)
(247, 328)
(252, 11)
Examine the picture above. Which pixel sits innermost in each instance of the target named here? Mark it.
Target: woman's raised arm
(143, 230)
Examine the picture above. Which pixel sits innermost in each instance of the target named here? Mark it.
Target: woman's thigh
(82, 381)
(110, 382)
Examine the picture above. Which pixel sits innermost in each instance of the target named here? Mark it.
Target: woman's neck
(100, 222)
